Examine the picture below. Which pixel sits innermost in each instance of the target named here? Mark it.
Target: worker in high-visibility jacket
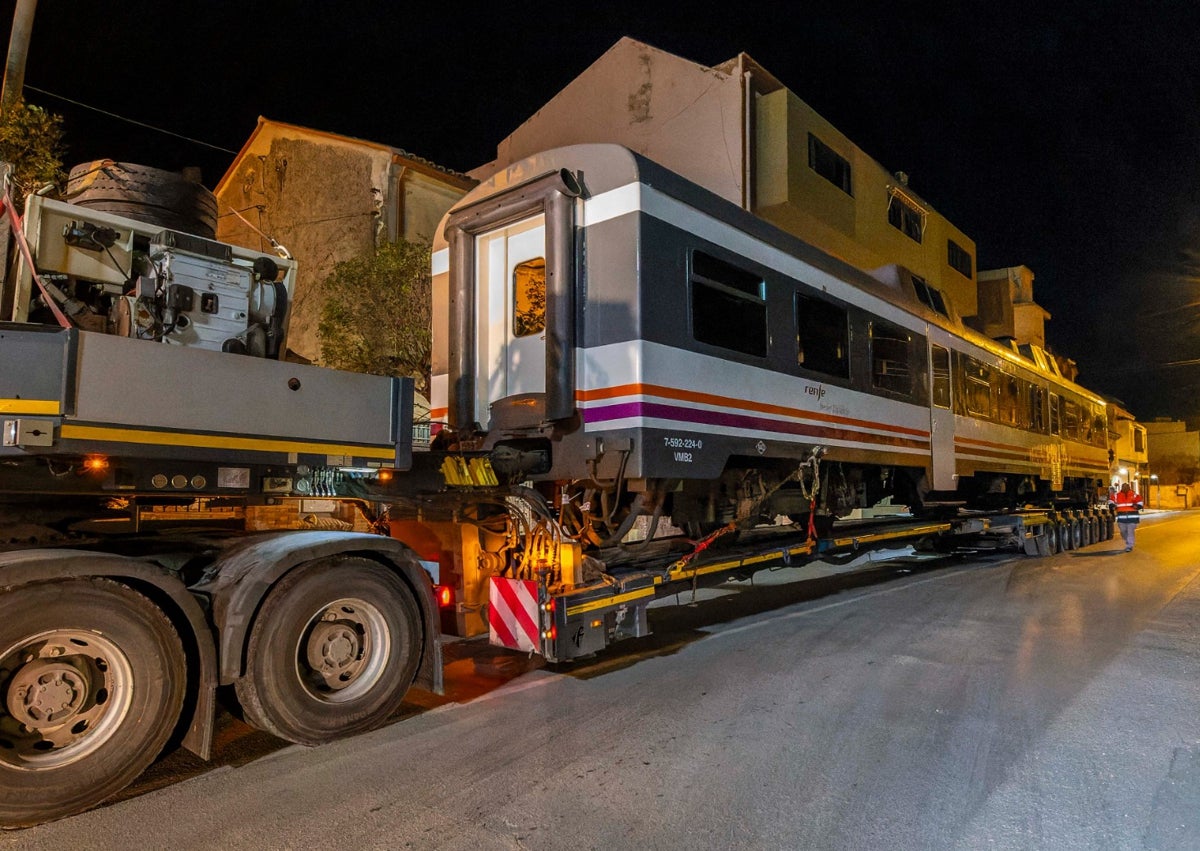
(1127, 505)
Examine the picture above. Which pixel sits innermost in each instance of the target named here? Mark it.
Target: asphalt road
(1022, 703)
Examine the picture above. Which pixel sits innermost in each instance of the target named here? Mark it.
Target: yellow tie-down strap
(463, 472)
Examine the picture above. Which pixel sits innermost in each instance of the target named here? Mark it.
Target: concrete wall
(1009, 310)
(1170, 497)
(423, 202)
(681, 114)
(1165, 439)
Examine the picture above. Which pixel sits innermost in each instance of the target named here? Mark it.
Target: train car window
(977, 387)
(890, 358)
(940, 358)
(728, 306)
(1009, 399)
(828, 163)
(1097, 429)
(1037, 404)
(1055, 414)
(822, 336)
(529, 297)
(1070, 419)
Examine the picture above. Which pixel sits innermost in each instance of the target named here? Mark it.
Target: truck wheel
(1064, 536)
(92, 678)
(1050, 530)
(332, 652)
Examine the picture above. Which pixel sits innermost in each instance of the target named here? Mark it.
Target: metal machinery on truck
(148, 426)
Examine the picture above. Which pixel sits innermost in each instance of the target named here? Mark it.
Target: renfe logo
(814, 390)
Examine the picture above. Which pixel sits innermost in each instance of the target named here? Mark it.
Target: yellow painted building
(811, 180)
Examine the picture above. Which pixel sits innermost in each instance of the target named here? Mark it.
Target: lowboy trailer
(132, 584)
(180, 510)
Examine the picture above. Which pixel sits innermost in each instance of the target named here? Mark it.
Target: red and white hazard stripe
(513, 614)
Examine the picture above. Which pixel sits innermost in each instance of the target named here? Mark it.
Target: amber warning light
(95, 464)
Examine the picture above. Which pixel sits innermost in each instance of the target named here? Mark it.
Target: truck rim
(66, 692)
(343, 650)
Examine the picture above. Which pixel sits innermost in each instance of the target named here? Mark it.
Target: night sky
(1064, 136)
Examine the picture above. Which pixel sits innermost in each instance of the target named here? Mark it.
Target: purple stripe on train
(607, 413)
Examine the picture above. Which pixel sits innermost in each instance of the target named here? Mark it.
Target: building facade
(327, 198)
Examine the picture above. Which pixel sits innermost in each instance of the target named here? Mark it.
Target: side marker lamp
(95, 464)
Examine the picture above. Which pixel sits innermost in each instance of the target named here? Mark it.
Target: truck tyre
(332, 652)
(1050, 530)
(1065, 541)
(1076, 534)
(92, 678)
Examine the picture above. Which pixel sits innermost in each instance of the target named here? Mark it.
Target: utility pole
(14, 86)
(18, 49)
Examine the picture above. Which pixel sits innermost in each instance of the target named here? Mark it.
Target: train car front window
(728, 306)
(529, 297)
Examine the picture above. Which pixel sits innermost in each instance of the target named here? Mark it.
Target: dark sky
(1061, 135)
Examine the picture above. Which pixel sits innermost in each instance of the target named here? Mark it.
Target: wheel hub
(344, 650)
(65, 692)
(335, 650)
(46, 694)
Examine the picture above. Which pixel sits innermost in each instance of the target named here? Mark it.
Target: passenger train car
(603, 323)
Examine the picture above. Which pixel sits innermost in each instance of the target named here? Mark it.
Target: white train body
(604, 320)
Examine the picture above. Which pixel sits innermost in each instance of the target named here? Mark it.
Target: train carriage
(601, 322)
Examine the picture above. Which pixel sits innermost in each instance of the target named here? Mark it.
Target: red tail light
(445, 596)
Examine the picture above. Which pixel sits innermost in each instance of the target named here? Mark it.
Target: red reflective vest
(1127, 505)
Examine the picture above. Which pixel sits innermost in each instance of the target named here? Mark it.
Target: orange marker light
(385, 475)
(95, 463)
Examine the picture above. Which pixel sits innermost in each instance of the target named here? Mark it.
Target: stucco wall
(681, 114)
(321, 199)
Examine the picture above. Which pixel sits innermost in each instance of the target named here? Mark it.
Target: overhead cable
(131, 120)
